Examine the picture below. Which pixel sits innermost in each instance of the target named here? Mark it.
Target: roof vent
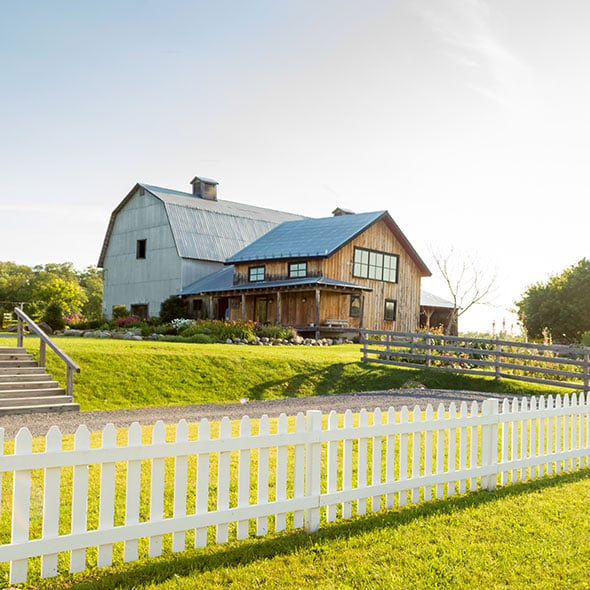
(340, 211)
(204, 188)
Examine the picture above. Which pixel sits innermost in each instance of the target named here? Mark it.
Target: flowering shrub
(181, 323)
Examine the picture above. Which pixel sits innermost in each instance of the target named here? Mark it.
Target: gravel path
(39, 423)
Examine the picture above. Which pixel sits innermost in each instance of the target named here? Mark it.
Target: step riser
(22, 371)
(46, 400)
(10, 364)
(16, 378)
(13, 386)
(8, 393)
(57, 408)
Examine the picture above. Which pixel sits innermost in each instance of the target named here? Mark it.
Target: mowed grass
(131, 374)
(533, 535)
(526, 535)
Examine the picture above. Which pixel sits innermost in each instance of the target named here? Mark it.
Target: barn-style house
(323, 275)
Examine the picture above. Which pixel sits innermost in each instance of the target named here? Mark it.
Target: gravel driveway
(39, 423)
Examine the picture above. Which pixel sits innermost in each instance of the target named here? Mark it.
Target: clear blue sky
(467, 120)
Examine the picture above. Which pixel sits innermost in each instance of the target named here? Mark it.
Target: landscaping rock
(46, 327)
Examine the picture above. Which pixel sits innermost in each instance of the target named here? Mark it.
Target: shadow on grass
(241, 553)
(363, 377)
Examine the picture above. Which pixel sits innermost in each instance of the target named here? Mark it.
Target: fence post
(428, 351)
(497, 357)
(587, 373)
(313, 469)
(365, 341)
(489, 443)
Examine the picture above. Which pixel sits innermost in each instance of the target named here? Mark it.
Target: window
(256, 274)
(140, 249)
(297, 270)
(390, 306)
(355, 306)
(369, 264)
(139, 310)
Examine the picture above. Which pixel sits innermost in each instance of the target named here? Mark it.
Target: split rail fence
(97, 500)
(556, 365)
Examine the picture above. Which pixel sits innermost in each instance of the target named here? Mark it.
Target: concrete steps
(25, 387)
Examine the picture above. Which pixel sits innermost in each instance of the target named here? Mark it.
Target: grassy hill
(123, 374)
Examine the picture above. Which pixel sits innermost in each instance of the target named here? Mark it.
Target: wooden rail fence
(75, 507)
(556, 365)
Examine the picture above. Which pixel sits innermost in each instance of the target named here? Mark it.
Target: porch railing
(45, 341)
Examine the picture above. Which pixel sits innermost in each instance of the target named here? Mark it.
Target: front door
(261, 310)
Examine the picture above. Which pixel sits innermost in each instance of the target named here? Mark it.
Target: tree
(562, 304)
(67, 293)
(468, 280)
(91, 283)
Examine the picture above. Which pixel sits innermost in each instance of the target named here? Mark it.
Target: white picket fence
(146, 494)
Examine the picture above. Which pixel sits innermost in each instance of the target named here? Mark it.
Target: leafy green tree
(91, 283)
(562, 304)
(67, 293)
(16, 284)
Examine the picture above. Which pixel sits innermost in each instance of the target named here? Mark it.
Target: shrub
(53, 316)
(119, 311)
(276, 331)
(173, 308)
(128, 322)
(586, 338)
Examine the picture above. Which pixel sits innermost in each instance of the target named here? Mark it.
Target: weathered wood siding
(406, 291)
(336, 305)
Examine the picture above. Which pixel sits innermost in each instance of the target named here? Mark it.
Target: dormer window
(297, 270)
(256, 274)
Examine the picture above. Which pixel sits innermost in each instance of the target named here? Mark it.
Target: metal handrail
(45, 341)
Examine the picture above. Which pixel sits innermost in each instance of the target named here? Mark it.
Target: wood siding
(335, 305)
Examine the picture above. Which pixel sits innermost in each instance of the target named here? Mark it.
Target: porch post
(243, 307)
(211, 310)
(279, 312)
(317, 314)
(362, 310)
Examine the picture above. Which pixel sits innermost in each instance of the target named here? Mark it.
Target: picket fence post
(489, 443)
(313, 470)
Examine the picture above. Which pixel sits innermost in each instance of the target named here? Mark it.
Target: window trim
(385, 318)
(298, 275)
(256, 268)
(371, 264)
(141, 249)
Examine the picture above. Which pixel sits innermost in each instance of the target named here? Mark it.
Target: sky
(467, 120)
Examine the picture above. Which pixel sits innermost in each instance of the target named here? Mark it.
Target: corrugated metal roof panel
(214, 230)
(307, 238)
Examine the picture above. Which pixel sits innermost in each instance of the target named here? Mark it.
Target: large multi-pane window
(297, 270)
(256, 274)
(370, 264)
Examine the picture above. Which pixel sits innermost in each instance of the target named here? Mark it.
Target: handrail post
(19, 331)
(69, 381)
(42, 349)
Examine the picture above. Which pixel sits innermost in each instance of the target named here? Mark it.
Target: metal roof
(430, 300)
(204, 229)
(307, 238)
(223, 281)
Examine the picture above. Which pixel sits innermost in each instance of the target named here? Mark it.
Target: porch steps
(25, 387)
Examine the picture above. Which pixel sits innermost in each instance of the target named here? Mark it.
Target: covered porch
(314, 306)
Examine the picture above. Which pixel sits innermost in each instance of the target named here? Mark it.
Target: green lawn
(123, 374)
(533, 535)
